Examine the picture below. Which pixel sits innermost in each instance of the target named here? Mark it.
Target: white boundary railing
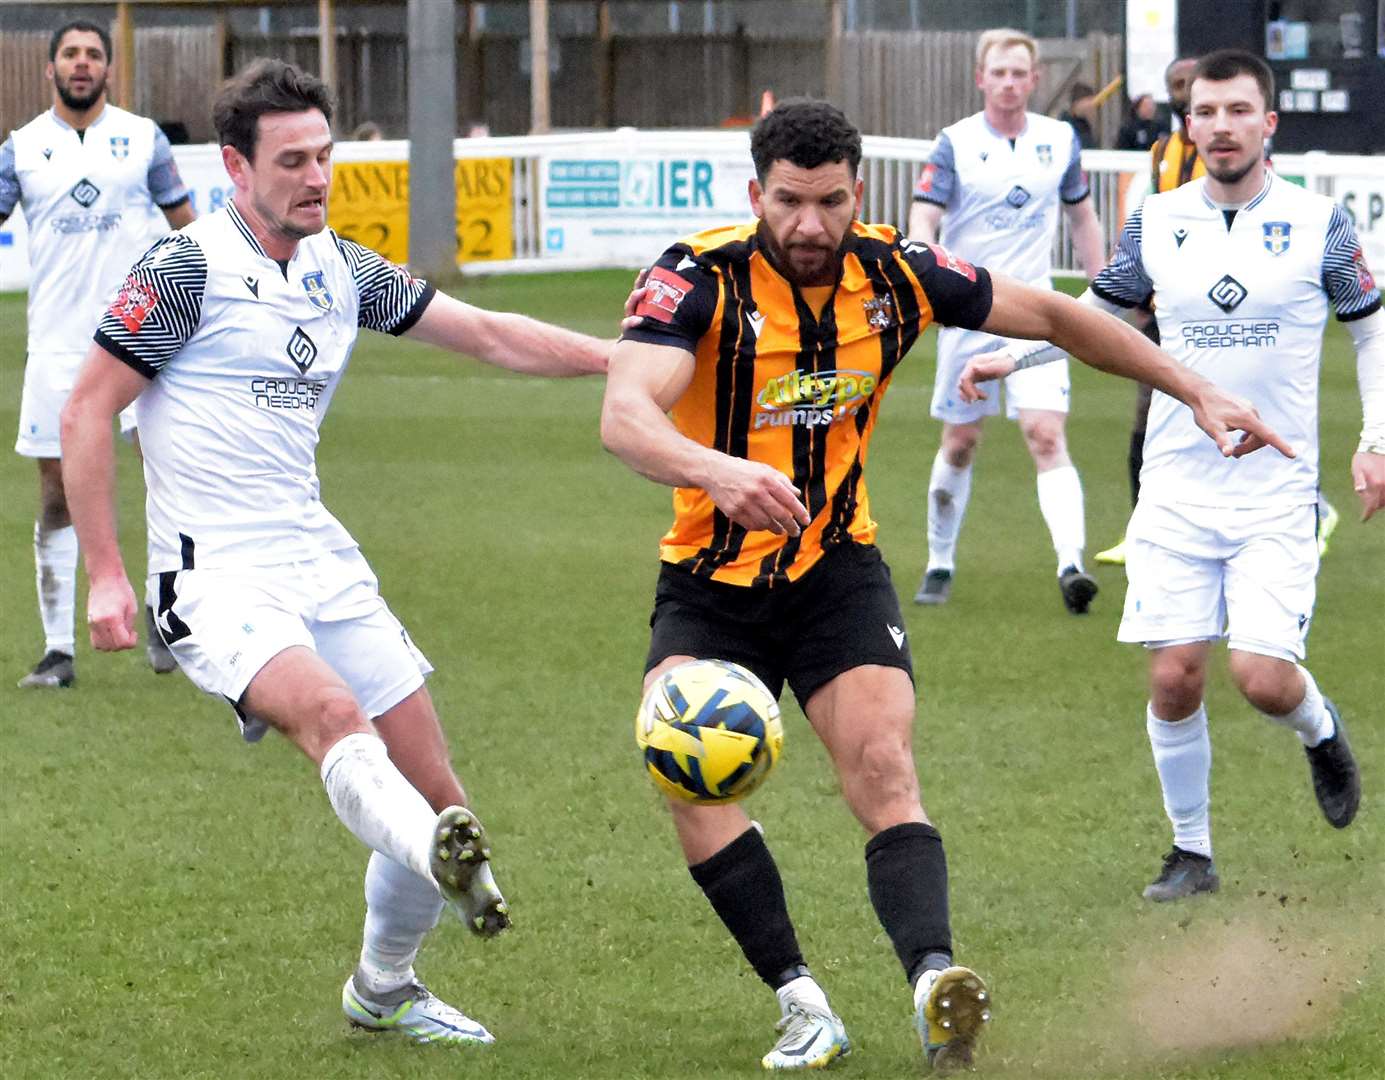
(889, 169)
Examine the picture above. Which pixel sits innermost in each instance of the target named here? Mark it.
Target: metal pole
(538, 75)
(327, 44)
(125, 55)
(432, 127)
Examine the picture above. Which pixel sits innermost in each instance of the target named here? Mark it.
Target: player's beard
(779, 256)
(80, 104)
(1230, 174)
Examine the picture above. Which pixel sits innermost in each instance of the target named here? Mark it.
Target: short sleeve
(391, 299)
(958, 292)
(679, 303)
(9, 178)
(1073, 188)
(1123, 281)
(166, 187)
(1346, 278)
(158, 307)
(938, 180)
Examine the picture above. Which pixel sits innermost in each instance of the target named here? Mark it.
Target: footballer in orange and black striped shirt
(792, 376)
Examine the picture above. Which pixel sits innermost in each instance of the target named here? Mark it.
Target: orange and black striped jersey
(778, 382)
(1173, 161)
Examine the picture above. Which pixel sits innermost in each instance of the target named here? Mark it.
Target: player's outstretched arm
(1368, 463)
(644, 382)
(104, 387)
(1087, 241)
(1108, 344)
(510, 341)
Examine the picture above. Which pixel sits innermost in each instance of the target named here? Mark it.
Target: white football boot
(412, 1010)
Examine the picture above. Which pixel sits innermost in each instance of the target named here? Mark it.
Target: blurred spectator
(367, 132)
(1142, 126)
(1080, 113)
(175, 131)
(478, 129)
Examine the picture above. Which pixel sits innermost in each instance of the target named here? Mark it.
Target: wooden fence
(903, 84)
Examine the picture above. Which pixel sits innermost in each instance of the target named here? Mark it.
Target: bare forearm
(636, 431)
(1109, 344)
(923, 221)
(89, 481)
(1088, 243)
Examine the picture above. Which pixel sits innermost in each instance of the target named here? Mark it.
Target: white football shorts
(1046, 386)
(48, 381)
(1200, 573)
(223, 626)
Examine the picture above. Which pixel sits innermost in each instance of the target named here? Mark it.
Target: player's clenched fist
(756, 496)
(111, 615)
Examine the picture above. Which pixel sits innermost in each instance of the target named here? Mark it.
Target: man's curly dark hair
(805, 133)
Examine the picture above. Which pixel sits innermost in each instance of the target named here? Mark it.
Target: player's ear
(1271, 122)
(757, 198)
(858, 193)
(237, 167)
(48, 71)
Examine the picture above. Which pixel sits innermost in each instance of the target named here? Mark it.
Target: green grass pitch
(174, 904)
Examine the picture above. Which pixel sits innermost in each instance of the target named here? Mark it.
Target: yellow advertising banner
(370, 204)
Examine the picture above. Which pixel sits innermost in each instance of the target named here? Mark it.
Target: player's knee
(333, 713)
(1047, 443)
(1176, 688)
(882, 772)
(959, 446)
(1269, 684)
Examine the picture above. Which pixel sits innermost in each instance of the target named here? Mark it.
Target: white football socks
(55, 563)
(1060, 502)
(949, 488)
(1309, 717)
(1183, 759)
(400, 908)
(381, 808)
(806, 991)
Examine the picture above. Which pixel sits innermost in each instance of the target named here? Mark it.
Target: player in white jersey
(1242, 267)
(87, 175)
(233, 335)
(994, 183)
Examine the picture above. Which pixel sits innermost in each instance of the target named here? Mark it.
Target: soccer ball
(710, 731)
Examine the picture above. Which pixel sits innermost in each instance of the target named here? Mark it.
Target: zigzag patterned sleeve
(1346, 278)
(158, 307)
(1124, 280)
(391, 299)
(9, 179)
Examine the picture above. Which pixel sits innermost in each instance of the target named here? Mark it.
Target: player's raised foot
(1336, 778)
(412, 1010)
(1113, 555)
(950, 1017)
(1327, 526)
(53, 671)
(461, 867)
(1184, 873)
(1079, 588)
(936, 587)
(160, 659)
(808, 1039)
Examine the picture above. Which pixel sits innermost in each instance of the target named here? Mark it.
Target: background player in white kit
(995, 181)
(85, 173)
(233, 334)
(1242, 266)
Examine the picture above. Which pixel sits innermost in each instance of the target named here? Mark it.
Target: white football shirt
(1000, 195)
(86, 198)
(1242, 298)
(244, 355)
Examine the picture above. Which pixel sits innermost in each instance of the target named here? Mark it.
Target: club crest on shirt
(879, 312)
(120, 147)
(316, 288)
(1045, 152)
(1276, 236)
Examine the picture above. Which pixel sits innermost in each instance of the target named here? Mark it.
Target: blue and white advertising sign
(628, 208)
